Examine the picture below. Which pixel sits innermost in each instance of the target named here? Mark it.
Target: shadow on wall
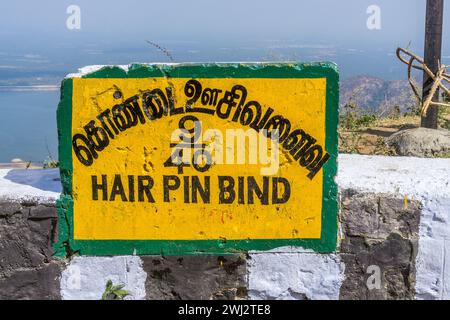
(46, 180)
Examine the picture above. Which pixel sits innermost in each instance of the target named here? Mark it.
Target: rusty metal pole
(432, 56)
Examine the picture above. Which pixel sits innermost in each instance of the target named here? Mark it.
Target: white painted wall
(42, 186)
(85, 278)
(423, 179)
(291, 273)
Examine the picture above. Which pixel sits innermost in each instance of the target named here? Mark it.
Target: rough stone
(379, 232)
(420, 142)
(376, 217)
(27, 270)
(195, 277)
(7, 209)
(32, 284)
(43, 212)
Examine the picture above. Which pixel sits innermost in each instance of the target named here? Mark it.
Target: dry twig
(441, 76)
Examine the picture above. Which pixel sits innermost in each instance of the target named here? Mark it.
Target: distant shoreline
(29, 88)
(21, 165)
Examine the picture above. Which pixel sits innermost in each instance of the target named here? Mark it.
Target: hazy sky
(35, 41)
(331, 21)
(37, 48)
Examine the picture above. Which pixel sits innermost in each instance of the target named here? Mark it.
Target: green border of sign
(327, 243)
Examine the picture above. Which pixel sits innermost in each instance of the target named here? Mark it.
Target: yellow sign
(200, 159)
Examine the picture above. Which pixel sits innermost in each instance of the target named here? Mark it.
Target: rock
(195, 277)
(25, 242)
(420, 142)
(380, 234)
(7, 209)
(27, 270)
(33, 284)
(43, 212)
(377, 217)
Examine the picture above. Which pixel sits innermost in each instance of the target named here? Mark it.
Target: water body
(28, 117)
(28, 125)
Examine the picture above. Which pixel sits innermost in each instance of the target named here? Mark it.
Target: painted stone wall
(27, 270)
(28, 224)
(377, 231)
(382, 232)
(394, 218)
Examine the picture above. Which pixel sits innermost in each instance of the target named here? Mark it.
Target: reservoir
(28, 125)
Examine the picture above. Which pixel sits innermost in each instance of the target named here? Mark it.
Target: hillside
(377, 96)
